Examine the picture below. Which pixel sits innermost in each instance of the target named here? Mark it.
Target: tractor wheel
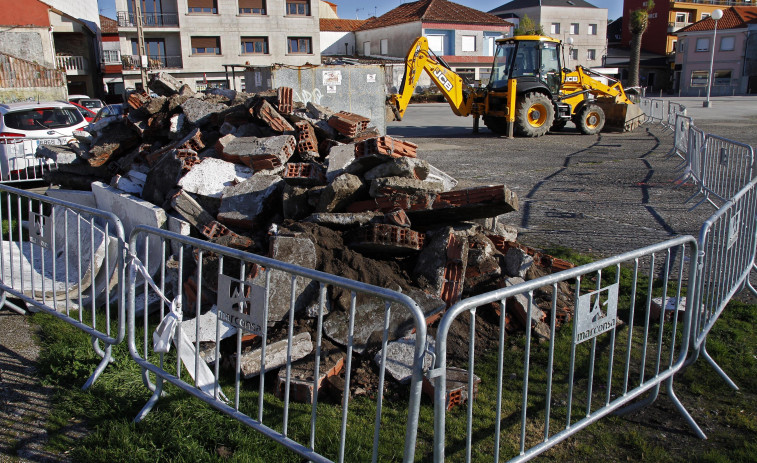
(591, 119)
(497, 125)
(558, 125)
(534, 115)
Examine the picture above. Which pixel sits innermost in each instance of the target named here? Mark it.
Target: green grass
(182, 428)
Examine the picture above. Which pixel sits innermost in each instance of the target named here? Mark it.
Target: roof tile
(734, 17)
(341, 25)
(433, 11)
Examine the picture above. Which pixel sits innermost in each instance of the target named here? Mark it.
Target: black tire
(558, 125)
(534, 115)
(590, 120)
(497, 125)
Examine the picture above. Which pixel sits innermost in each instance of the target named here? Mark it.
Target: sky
(363, 9)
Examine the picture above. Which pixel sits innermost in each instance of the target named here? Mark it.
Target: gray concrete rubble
(400, 355)
(518, 307)
(402, 167)
(296, 251)
(243, 204)
(207, 323)
(211, 176)
(275, 355)
(310, 188)
(343, 190)
(62, 154)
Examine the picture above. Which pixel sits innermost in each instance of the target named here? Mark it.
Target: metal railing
(72, 63)
(131, 62)
(619, 345)
(18, 160)
(250, 293)
(127, 19)
(727, 250)
(65, 260)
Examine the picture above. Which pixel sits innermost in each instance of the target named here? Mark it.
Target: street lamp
(716, 15)
(570, 50)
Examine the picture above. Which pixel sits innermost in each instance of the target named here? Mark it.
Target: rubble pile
(315, 188)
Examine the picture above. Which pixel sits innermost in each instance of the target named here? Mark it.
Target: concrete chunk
(401, 167)
(62, 154)
(207, 327)
(199, 112)
(258, 153)
(165, 84)
(297, 251)
(344, 190)
(442, 263)
(340, 156)
(400, 355)
(243, 204)
(211, 176)
(275, 355)
(387, 186)
(517, 262)
(435, 174)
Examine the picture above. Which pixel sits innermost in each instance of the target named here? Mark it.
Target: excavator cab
(534, 61)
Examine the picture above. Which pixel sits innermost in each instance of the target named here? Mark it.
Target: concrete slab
(211, 176)
(340, 156)
(245, 204)
(207, 327)
(400, 355)
(275, 355)
(82, 198)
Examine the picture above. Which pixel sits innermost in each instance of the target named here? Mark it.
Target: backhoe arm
(420, 58)
(599, 88)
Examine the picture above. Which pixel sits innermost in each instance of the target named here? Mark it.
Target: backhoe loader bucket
(623, 117)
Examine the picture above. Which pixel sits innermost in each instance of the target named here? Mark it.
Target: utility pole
(141, 42)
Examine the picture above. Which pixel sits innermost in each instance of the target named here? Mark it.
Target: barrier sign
(596, 313)
(240, 304)
(41, 231)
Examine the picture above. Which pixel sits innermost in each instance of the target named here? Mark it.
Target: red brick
(285, 100)
(265, 111)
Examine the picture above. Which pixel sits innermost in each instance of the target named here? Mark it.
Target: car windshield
(91, 104)
(109, 110)
(43, 118)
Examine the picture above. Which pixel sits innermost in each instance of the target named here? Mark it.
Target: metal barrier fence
(727, 250)
(259, 296)
(65, 260)
(658, 111)
(619, 345)
(726, 168)
(674, 109)
(682, 125)
(18, 162)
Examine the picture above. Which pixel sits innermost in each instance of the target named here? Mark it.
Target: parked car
(24, 126)
(111, 110)
(91, 103)
(87, 113)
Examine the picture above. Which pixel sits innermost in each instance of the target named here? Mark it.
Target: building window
(298, 7)
(574, 53)
(299, 45)
(727, 43)
(384, 46)
(202, 6)
(681, 45)
(112, 56)
(206, 45)
(673, 45)
(682, 17)
(554, 28)
(367, 48)
(722, 78)
(255, 45)
(699, 78)
(704, 16)
(469, 43)
(703, 44)
(467, 74)
(592, 29)
(573, 28)
(252, 7)
(436, 44)
(591, 54)
(202, 85)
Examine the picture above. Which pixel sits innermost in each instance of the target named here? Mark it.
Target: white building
(194, 39)
(462, 36)
(563, 19)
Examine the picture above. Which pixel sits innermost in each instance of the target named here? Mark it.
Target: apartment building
(578, 20)
(194, 39)
(463, 36)
(667, 18)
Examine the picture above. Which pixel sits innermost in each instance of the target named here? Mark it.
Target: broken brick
(456, 389)
(386, 146)
(304, 174)
(387, 238)
(285, 99)
(306, 140)
(348, 124)
(270, 116)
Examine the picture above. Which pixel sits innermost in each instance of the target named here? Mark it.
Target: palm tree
(638, 23)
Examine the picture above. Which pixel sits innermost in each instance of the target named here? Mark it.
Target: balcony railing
(717, 2)
(71, 63)
(676, 26)
(131, 62)
(127, 19)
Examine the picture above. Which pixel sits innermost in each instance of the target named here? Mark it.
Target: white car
(24, 126)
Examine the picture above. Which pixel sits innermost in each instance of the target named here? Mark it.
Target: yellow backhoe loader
(527, 80)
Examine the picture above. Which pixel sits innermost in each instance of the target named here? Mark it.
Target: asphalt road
(602, 194)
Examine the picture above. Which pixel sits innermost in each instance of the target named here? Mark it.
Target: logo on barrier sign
(733, 228)
(41, 230)
(723, 156)
(240, 304)
(596, 313)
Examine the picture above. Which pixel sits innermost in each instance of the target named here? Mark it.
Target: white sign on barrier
(237, 304)
(42, 230)
(596, 313)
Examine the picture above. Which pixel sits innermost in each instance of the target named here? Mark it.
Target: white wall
(400, 37)
(333, 43)
(86, 10)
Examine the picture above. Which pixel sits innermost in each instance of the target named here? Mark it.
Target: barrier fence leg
(106, 358)
(5, 303)
(716, 367)
(685, 413)
(749, 283)
(151, 402)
